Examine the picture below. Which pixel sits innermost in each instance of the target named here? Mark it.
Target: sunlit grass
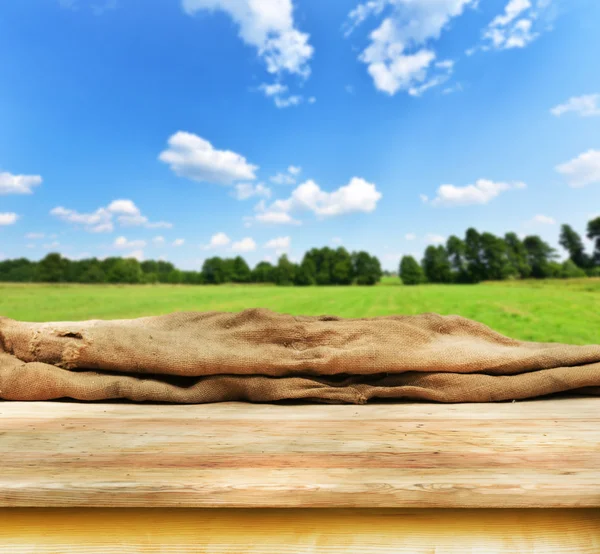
(549, 311)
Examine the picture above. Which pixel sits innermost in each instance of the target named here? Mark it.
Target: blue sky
(186, 129)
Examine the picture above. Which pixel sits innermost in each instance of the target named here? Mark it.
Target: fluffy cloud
(585, 106)
(247, 244)
(357, 196)
(217, 240)
(288, 177)
(35, 236)
(280, 95)
(18, 184)
(279, 243)
(193, 157)
(178, 242)
(122, 243)
(8, 218)
(582, 170)
(432, 238)
(336, 240)
(520, 24)
(410, 236)
(269, 27)
(126, 213)
(481, 192)
(400, 56)
(243, 191)
(158, 241)
(136, 254)
(544, 220)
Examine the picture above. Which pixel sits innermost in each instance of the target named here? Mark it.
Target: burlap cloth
(261, 356)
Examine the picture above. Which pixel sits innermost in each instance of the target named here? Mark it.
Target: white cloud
(217, 240)
(582, 170)
(275, 217)
(585, 106)
(286, 178)
(283, 179)
(136, 254)
(158, 241)
(159, 225)
(34, 236)
(195, 158)
(424, 198)
(50, 246)
(243, 191)
(18, 184)
(123, 243)
(178, 242)
(410, 236)
(269, 27)
(101, 221)
(431, 238)
(336, 240)
(280, 95)
(124, 207)
(8, 218)
(400, 55)
(247, 244)
(544, 219)
(357, 196)
(279, 244)
(481, 192)
(520, 24)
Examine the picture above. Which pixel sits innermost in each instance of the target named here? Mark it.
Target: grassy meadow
(549, 311)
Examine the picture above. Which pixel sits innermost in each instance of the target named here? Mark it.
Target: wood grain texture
(539, 453)
(376, 531)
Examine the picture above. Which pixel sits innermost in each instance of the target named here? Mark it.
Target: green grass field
(549, 311)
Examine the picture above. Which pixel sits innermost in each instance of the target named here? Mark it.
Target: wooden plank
(540, 453)
(333, 531)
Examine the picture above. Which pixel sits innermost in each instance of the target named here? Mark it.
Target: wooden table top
(538, 453)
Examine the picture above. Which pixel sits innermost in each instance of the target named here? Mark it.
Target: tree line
(487, 257)
(477, 257)
(320, 266)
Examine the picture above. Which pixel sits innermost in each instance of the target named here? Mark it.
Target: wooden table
(233, 477)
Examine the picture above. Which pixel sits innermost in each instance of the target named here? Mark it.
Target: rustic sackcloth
(260, 356)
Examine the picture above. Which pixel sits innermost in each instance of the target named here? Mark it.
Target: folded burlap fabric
(261, 356)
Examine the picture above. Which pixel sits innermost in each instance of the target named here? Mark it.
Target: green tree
(436, 265)
(52, 269)
(341, 268)
(306, 274)
(264, 272)
(569, 270)
(593, 233)
(456, 249)
(366, 268)
(285, 272)
(125, 270)
(475, 265)
(495, 258)
(539, 256)
(517, 255)
(572, 243)
(93, 273)
(410, 271)
(241, 271)
(213, 271)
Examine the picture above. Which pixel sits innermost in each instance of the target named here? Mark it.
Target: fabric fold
(261, 356)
